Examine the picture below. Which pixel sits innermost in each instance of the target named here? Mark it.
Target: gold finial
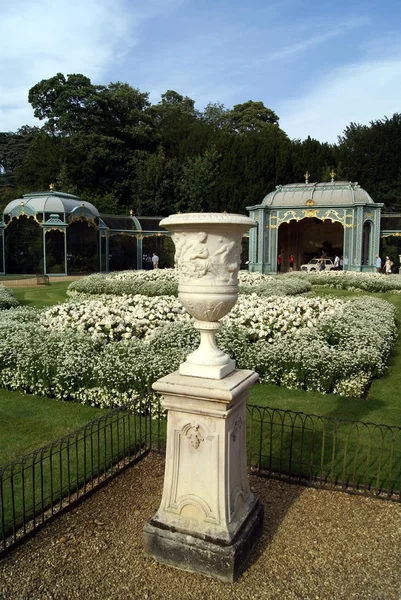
(131, 212)
(51, 187)
(307, 175)
(332, 175)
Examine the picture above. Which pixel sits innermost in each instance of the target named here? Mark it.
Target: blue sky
(318, 64)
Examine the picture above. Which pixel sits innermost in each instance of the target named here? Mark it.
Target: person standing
(155, 261)
(279, 263)
(337, 263)
(291, 260)
(378, 264)
(388, 264)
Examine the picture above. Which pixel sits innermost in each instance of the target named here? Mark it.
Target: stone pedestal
(208, 520)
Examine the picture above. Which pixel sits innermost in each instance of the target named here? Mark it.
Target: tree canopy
(111, 146)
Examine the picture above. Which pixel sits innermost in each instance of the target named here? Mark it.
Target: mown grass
(28, 422)
(42, 296)
(82, 458)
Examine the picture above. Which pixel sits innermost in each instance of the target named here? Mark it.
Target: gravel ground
(316, 545)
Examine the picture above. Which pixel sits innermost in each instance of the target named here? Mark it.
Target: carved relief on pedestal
(194, 434)
(238, 476)
(191, 497)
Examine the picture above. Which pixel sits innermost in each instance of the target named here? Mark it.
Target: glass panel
(24, 246)
(55, 252)
(82, 248)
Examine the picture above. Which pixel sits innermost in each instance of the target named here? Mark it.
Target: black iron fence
(58, 475)
(352, 456)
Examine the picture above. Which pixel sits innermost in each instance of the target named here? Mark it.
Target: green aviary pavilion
(57, 233)
(53, 232)
(306, 220)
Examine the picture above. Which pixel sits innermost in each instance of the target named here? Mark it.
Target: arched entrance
(367, 228)
(309, 238)
(24, 246)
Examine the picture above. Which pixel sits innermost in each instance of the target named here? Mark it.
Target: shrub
(7, 298)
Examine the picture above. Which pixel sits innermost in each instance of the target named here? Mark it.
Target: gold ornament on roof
(332, 175)
(307, 175)
(51, 187)
(131, 212)
(310, 202)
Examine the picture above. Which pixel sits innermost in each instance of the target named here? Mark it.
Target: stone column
(208, 520)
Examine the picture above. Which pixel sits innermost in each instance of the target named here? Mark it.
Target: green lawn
(42, 296)
(28, 422)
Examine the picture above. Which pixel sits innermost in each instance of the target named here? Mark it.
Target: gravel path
(315, 545)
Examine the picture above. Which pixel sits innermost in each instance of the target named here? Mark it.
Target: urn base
(207, 371)
(210, 556)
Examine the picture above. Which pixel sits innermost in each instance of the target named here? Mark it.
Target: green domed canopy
(336, 193)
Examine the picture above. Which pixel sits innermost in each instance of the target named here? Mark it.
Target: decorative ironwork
(350, 456)
(338, 454)
(391, 233)
(42, 483)
(310, 214)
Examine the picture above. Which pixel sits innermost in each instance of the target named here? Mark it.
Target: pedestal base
(207, 371)
(211, 556)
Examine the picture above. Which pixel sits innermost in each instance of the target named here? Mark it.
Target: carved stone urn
(207, 255)
(208, 520)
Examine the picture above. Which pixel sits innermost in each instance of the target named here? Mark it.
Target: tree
(371, 155)
(153, 187)
(42, 163)
(13, 148)
(217, 115)
(251, 116)
(198, 179)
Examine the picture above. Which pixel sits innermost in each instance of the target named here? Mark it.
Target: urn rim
(207, 219)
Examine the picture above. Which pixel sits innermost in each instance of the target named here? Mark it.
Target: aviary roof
(323, 194)
(50, 202)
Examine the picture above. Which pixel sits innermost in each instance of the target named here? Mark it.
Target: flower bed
(164, 282)
(113, 318)
(7, 298)
(105, 350)
(348, 280)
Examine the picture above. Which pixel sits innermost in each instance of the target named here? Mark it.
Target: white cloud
(354, 93)
(39, 39)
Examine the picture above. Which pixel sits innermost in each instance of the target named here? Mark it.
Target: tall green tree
(251, 116)
(197, 182)
(371, 155)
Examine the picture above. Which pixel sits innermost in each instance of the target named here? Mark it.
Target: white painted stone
(208, 249)
(206, 482)
(208, 519)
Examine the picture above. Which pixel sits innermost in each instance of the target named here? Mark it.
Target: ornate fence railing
(49, 480)
(352, 456)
